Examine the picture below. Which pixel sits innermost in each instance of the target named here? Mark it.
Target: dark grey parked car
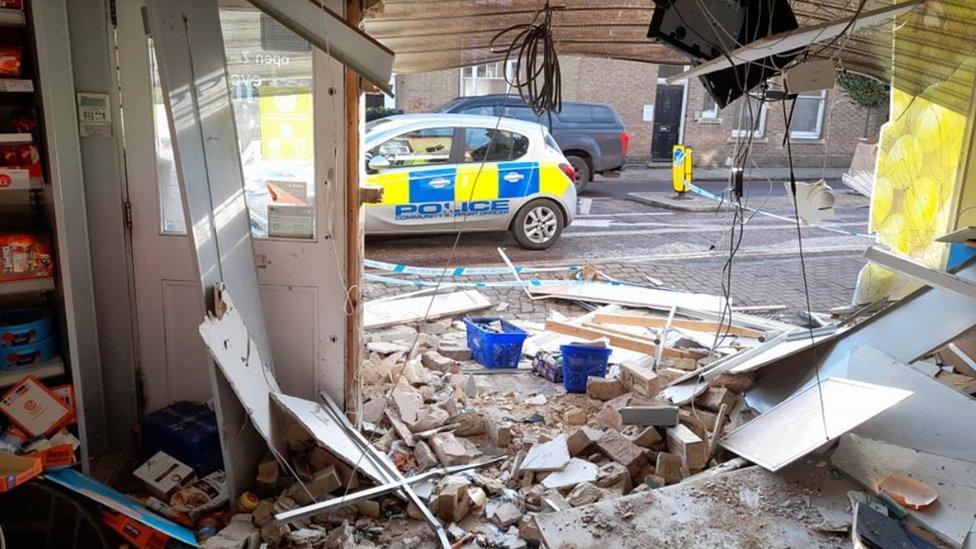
(591, 135)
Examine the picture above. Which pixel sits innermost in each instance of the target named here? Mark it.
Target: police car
(449, 172)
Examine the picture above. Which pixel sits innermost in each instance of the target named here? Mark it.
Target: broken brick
(499, 431)
(582, 440)
(641, 379)
(618, 448)
(670, 467)
(648, 437)
(599, 388)
(584, 494)
(714, 398)
(688, 446)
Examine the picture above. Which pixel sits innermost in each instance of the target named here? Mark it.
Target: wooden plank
(403, 311)
(354, 229)
(795, 39)
(659, 322)
(626, 294)
(629, 342)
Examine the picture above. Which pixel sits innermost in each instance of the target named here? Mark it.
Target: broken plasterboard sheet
(546, 456)
(318, 421)
(785, 349)
(936, 419)
(577, 471)
(238, 358)
(951, 516)
(403, 311)
(796, 426)
(625, 294)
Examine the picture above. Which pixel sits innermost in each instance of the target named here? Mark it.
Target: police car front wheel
(538, 225)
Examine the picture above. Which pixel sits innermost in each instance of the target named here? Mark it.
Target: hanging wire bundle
(536, 77)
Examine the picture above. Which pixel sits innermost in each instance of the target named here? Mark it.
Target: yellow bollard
(681, 169)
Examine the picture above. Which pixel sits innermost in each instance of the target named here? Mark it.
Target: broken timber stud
(328, 505)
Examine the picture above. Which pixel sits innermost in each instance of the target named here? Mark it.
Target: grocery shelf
(51, 368)
(27, 286)
(12, 18)
(16, 85)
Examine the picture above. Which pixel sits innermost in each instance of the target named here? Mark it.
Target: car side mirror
(377, 163)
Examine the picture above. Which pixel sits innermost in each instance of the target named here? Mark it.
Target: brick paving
(757, 280)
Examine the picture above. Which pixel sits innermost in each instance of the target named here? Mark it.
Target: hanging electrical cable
(532, 51)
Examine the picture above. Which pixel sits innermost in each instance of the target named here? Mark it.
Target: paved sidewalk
(756, 280)
(663, 173)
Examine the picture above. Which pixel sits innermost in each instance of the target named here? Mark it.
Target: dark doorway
(667, 121)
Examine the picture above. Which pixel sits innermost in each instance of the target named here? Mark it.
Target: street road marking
(693, 229)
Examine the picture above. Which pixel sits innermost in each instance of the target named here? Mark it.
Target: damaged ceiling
(433, 35)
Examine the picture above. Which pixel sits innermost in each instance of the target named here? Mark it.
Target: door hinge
(128, 214)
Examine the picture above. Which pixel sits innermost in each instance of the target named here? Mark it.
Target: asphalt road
(619, 229)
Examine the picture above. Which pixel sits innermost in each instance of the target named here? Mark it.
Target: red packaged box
(16, 470)
(25, 256)
(12, 4)
(135, 532)
(11, 61)
(24, 157)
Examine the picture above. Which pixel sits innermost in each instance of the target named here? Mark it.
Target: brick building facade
(831, 122)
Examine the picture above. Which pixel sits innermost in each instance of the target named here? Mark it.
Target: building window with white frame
(807, 121)
(709, 108)
(750, 118)
(486, 79)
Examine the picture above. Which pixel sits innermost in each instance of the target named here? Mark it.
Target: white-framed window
(750, 117)
(709, 108)
(486, 79)
(807, 122)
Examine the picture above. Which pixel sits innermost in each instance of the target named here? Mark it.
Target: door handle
(439, 183)
(513, 177)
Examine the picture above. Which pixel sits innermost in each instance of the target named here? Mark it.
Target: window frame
(471, 73)
(760, 129)
(821, 97)
(708, 114)
(464, 144)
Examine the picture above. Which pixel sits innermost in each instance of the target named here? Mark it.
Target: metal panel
(193, 73)
(64, 162)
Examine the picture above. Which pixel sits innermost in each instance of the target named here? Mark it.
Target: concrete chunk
(499, 431)
(660, 416)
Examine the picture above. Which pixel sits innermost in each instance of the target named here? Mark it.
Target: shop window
(271, 83)
(171, 220)
(417, 148)
(486, 79)
(750, 118)
(489, 145)
(808, 115)
(271, 94)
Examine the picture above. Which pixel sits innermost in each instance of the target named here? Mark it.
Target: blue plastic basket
(23, 326)
(581, 362)
(495, 350)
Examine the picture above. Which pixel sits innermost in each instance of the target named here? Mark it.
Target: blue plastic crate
(495, 350)
(186, 431)
(581, 362)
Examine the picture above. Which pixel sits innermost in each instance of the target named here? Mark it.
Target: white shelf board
(12, 18)
(16, 139)
(26, 286)
(16, 85)
(51, 368)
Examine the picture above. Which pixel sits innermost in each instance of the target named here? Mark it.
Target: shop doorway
(289, 126)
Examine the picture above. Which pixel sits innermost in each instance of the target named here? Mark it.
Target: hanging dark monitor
(708, 29)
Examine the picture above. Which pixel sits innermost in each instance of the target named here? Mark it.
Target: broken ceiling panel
(810, 419)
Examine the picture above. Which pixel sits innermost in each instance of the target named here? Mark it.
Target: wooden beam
(354, 228)
(629, 342)
(659, 322)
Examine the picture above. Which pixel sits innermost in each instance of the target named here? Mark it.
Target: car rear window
(483, 110)
(479, 146)
(578, 113)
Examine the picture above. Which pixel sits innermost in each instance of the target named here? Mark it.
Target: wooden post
(354, 228)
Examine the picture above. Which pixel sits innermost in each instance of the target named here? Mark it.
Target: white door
(288, 127)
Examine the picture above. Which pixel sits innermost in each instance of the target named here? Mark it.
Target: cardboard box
(34, 408)
(16, 470)
(164, 475)
(67, 395)
(133, 531)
